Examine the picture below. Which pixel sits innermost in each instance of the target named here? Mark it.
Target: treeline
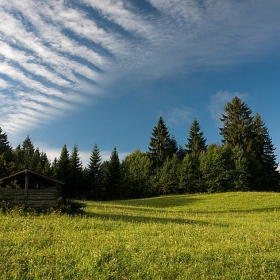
(244, 161)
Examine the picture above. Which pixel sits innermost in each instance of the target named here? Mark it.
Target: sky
(103, 71)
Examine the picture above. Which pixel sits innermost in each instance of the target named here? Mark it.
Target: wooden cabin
(32, 190)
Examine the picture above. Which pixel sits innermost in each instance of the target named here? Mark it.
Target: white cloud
(179, 116)
(3, 84)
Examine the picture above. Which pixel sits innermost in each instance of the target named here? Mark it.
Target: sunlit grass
(217, 236)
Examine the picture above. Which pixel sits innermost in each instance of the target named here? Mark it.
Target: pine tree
(105, 179)
(196, 145)
(161, 145)
(173, 146)
(114, 176)
(76, 182)
(62, 170)
(18, 158)
(237, 125)
(28, 152)
(196, 142)
(249, 134)
(5, 148)
(264, 151)
(93, 171)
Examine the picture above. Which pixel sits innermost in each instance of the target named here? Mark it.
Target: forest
(244, 161)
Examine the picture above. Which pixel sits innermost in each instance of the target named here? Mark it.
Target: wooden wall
(37, 198)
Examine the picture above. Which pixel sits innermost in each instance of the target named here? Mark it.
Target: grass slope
(205, 236)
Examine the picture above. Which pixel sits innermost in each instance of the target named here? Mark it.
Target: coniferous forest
(244, 161)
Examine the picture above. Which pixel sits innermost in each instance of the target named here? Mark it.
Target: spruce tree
(28, 152)
(62, 170)
(114, 181)
(249, 134)
(264, 151)
(76, 182)
(237, 125)
(93, 173)
(196, 142)
(5, 147)
(105, 179)
(196, 145)
(161, 146)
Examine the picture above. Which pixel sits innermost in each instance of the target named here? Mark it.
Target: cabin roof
(34, 176)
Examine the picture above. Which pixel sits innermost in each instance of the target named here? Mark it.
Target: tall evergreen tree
(161, 146)
(264, 151)
(173, 147)
(249, 134)
(196, 145)
(5, 147)
(237, 125)
(62, 170)
(76, 182)
(196, 141)
(114, 176)
(105, 179)
(28, 152)
(93, 171)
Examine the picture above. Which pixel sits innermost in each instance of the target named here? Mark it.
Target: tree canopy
(245, 160)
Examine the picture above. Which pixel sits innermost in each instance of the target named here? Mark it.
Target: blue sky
(80, 72)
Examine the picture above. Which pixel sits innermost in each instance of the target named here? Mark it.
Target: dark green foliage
(237, 127)
(62, 170)
(112, 176)
(94, 189)
(216, 167)
(27, 152)
(186, 175)
(196, 141)
(241, 180)
(5, 167)
(161, 145)
(27, 157)
(250, 135)
(76, 176)
(181, 153)
(245, 161)
(264, 151)
(168, 180)
(136, 175)
(5, 148)
(196, 145)
(173, 146)
(105, 178)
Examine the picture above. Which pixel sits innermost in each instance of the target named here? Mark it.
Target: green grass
(205, 236)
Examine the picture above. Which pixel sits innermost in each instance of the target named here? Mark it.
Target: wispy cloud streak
(54, 53)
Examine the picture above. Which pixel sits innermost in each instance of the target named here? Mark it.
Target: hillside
(203, 236)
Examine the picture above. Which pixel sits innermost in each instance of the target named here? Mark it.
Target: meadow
(199, 236)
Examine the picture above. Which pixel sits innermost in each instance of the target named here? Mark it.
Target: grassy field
(205, 236)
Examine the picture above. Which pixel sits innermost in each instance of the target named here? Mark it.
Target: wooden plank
(26, 184)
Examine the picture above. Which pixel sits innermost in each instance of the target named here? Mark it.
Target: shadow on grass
(159, 202)
(145, 219)
(239, 211)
